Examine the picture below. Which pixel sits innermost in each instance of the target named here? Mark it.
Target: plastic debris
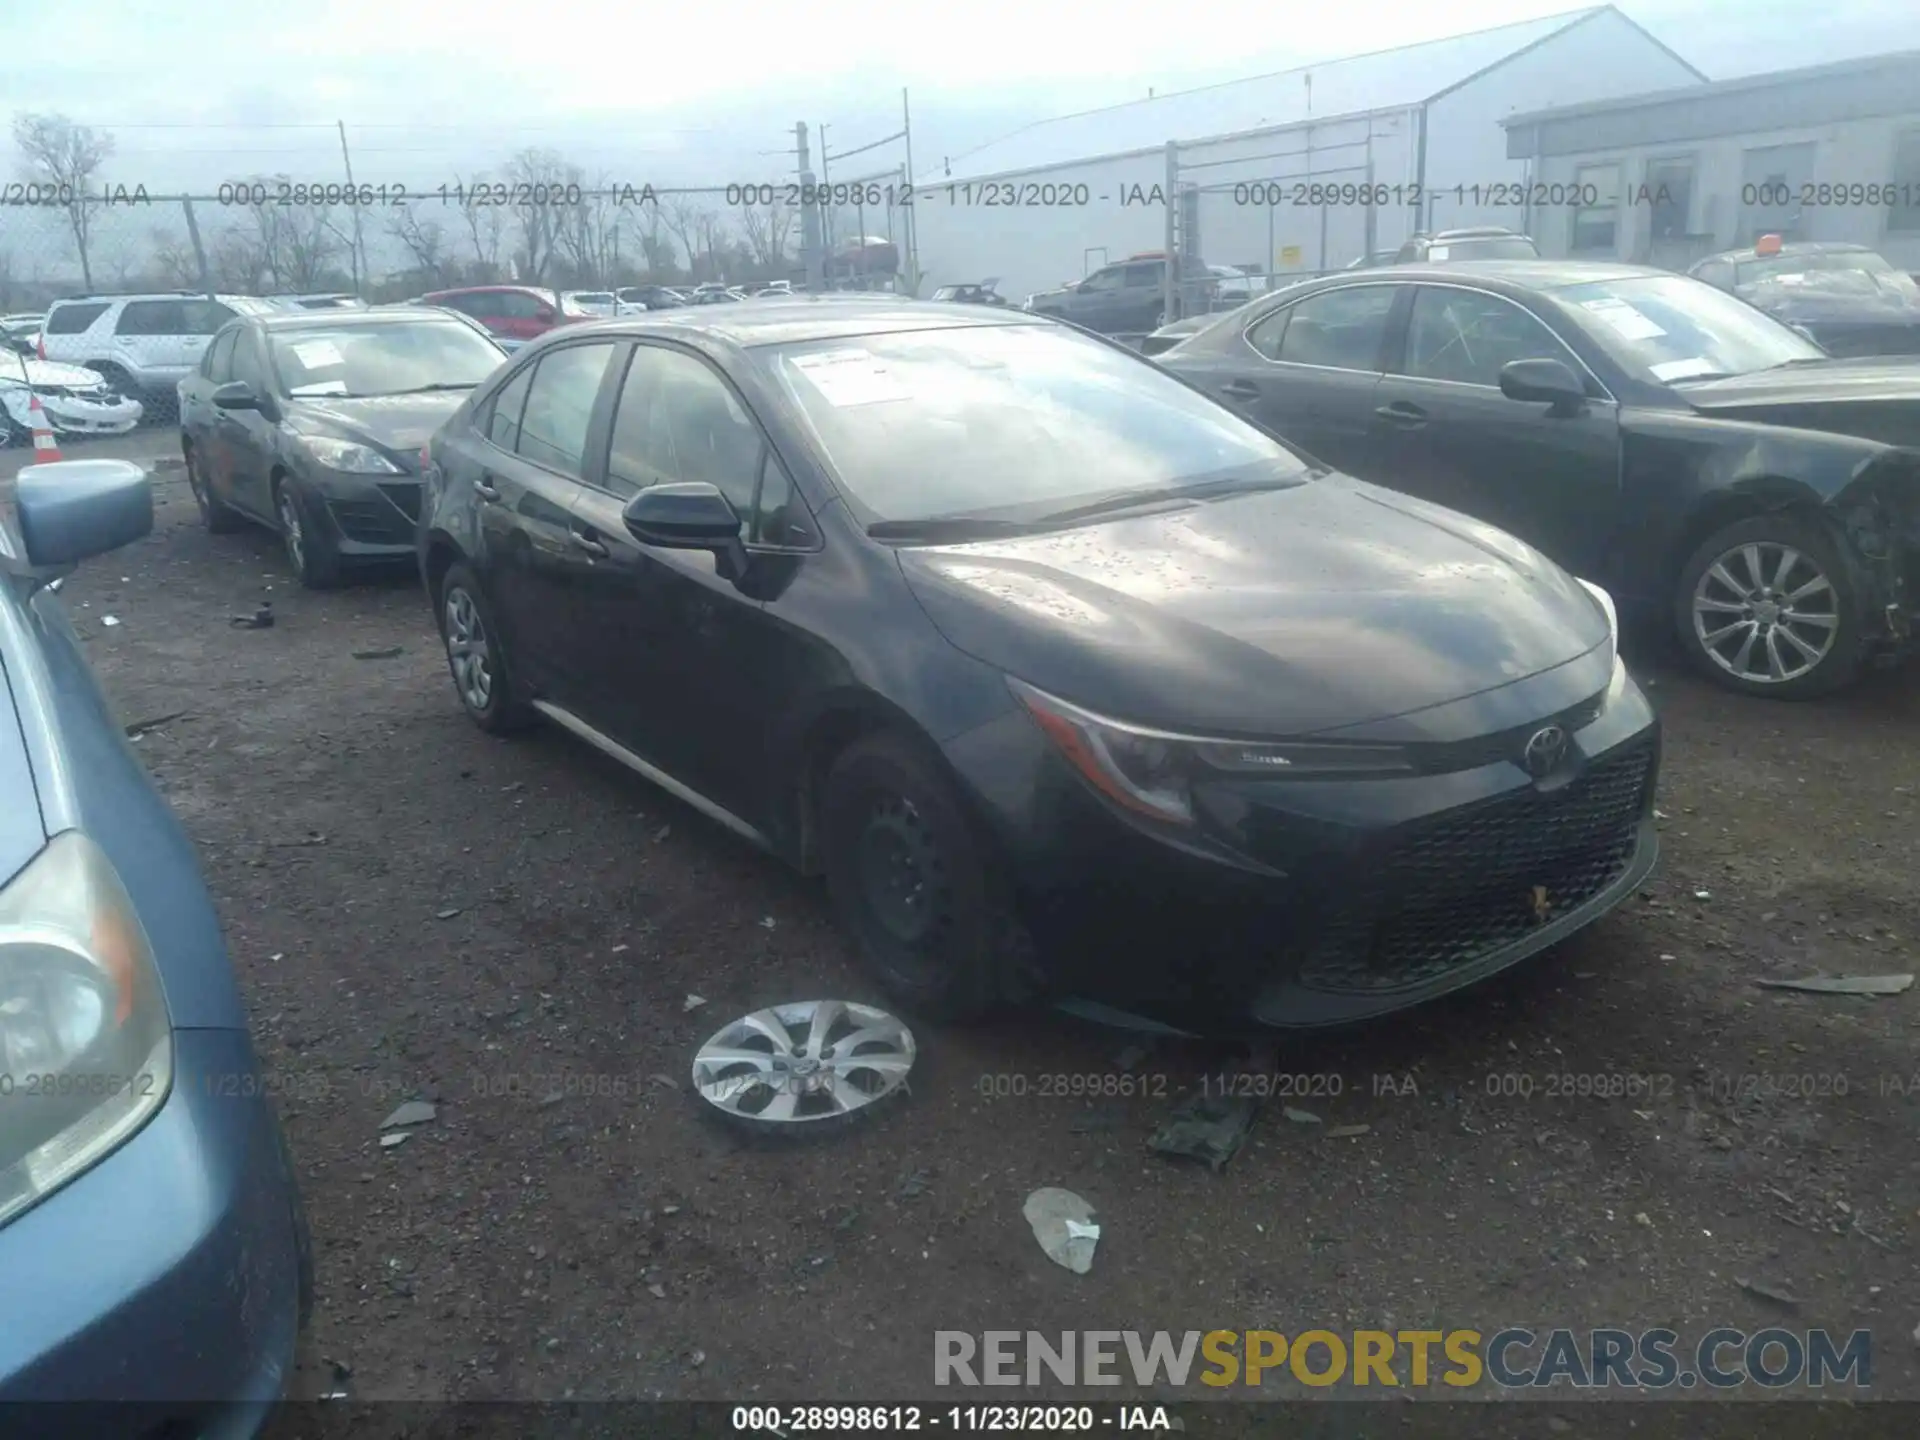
(261, 619)
(393, 1138)
(387, 653)
(1843, 984)
(413, 1112)
(1347, 1132)
(1775, 1293)
(1300, 1117)
(694, 1002)
(1207, 1127)
(447, 914)
(1063, 1224)
(109, 620)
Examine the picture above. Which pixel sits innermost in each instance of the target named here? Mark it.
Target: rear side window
(203, 317)
(152, 317)
(515, 305)
(74, 319)
(1339, 329)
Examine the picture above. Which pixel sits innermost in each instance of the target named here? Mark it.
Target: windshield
(1668, 328)
(1499, 247)
(1010, 420)
(1856, 270)
(389, 359)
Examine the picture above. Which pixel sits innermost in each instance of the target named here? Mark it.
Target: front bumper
(164, 1285)
(1306, 903)
(67, 416)
(370, 517)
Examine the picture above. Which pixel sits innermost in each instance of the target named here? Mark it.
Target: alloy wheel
(291, 531)
(468, 652)
(811, 1061)
(1766, 613)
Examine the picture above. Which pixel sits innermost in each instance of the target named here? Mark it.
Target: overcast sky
(204, 90)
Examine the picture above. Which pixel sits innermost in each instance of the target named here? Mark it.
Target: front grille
(1464, 887)
(405, 495)
(372, 522)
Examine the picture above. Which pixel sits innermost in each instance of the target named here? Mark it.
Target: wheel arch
(819, 739)
(1762, 495)
(442, 555)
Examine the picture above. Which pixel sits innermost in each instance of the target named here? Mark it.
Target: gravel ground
(511, 929)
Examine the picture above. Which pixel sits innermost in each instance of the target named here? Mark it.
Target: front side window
(1468, 337)
(1342, 329)
(559, 413)
(250, 362)
(1010, 419)
(1102, 280)
(678, 421)
(219, 362)
(152, 317)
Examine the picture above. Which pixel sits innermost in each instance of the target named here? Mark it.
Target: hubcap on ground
(290, 530)
(813, 1060)
(467, 651)
(902, 879)
(1765, 612)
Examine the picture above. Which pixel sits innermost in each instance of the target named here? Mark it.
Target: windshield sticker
(320, 387)
(1439, 252)
(1627, 322)
(851, 377)
(1670, 370)
(318, 354)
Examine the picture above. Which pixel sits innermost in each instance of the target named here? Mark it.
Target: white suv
(144, 345)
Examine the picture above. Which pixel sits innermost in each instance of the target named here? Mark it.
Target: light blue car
(153, 1248)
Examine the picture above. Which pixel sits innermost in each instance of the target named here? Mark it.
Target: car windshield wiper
(437, 385)
(1172, 494)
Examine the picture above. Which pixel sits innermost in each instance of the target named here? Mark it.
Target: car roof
(799, 319)
(1797, 247)
(334, 319)
(1525, 274)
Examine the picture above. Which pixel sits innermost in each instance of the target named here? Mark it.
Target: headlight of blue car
(86, 1048)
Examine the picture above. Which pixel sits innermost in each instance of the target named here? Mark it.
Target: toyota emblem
(1546, 748)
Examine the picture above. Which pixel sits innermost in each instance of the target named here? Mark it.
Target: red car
(515, 313)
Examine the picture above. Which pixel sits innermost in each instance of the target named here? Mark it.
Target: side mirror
(692, 515)
(544, 315)
(1549, 382)
(72, 510)
(236, 395)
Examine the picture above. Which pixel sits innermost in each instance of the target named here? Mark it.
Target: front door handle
(1241, 389)
(487, 491)
(587, 543)
(1409, 417)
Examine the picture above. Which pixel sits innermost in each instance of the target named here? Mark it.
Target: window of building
(1670, 197)
(1596, 227)
(1903, 217)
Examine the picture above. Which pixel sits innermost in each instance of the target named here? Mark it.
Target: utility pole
(359, 242)
(909, 220)
(826, 206)
(809, 214)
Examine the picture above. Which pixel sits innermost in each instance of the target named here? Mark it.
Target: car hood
(50, 372)
(400, 424)
(1821, 382)
(1843, 300)
(1281, 614)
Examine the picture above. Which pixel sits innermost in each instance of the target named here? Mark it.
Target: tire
(309, 551)
(118, 381)
(219, 518)
(887, 817)
(1717, 584)
(492, 699)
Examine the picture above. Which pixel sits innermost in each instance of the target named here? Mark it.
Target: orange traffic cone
(45, 452)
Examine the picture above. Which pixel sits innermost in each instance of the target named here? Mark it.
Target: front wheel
(315, 562)
(914, 884)
(1766, 607)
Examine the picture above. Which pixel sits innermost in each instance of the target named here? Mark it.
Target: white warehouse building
(1397, 141)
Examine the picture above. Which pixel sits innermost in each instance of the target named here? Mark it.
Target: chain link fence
(145, 280)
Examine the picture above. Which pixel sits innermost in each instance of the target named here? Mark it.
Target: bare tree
(174, 261)
(767, 229)
(655, 247)
(485, 224)
(682, 220)
(589, 233)
(710, 228)
(424, 240)
(537, 182)
(67, 156)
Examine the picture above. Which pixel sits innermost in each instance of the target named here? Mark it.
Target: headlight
(86, 1049)
(1152, 772)
(346, 456)
(1613, 615)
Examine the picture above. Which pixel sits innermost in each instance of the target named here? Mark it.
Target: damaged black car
(1710, 466)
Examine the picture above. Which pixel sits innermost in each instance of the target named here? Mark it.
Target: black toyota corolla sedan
(311, 423)
(1069, 680)
(1706, 464)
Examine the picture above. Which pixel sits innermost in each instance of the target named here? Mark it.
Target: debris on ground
(694, 1002)
(1063, 1224)
(147, 727)
(1843, 984)
(665, 1082)
(1703, 895)
(386, 653)
(662, 833)
(1775, 1293)
(261, 619)
(1100, 1117)
(109, 620)
(658, 1291)
(1132, 1055)
(914, 1185)
(1300, 1117)
(766, 922)
(1347, 1132)
(395, 1137)
(1207, 1127)
(446, 914)
(413, 1112)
